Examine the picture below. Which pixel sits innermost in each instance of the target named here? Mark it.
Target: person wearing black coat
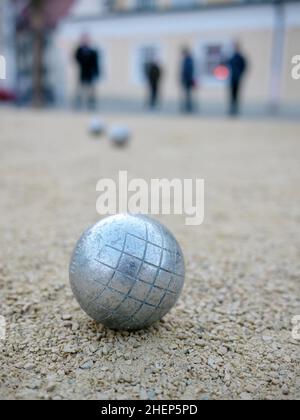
(153, 73)
(237, 65)
(187, 79)
(87, 60)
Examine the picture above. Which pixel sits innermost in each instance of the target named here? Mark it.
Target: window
(145, 4)
(211, 55)
(184, 3)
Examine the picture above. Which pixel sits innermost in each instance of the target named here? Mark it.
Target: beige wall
(120, 44)
(119, 79)
(291, 87)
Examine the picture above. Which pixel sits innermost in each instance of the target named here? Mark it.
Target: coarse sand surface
(230, 335)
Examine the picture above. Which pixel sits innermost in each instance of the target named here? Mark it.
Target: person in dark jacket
(237, 65)
(153, 73)
(87, 61)
(187, 77)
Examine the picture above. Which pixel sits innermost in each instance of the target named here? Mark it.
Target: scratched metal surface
(127, 272)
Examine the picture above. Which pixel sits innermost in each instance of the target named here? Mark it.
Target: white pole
(277, 57)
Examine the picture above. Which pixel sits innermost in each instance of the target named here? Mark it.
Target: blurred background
(38, 39)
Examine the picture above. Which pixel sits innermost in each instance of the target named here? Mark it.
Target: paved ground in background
(230, 334)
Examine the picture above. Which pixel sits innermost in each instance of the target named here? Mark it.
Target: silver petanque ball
(119, 135)
(127, 271)
(97, 127)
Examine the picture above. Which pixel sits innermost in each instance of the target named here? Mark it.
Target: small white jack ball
(119, 135)
(97, 127)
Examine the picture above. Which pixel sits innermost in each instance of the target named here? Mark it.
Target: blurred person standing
(87, 60)
(187, 79)
(153, 73)
(237, 65)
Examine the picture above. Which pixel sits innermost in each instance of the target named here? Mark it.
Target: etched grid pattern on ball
(144, 297)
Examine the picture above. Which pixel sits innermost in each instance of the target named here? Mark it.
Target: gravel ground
(230, 334)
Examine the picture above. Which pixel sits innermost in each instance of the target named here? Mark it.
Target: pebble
(267, 338)
(222, 351)
(66, 317)
(69, 349)
(75, 326)
(250, 389)
(50, 387)
(87, 365)
(245, 396)
(29, 366)
(35, 384)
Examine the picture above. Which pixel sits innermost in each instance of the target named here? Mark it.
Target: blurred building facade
(7, 44)
(126, 32)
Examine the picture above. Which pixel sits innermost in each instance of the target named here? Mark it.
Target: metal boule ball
(97, 127)
(119, 135)
(127, 271)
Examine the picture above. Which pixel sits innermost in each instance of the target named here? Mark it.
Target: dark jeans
(234, 97)
(86, 95)
(188, 103)
(153, 95)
